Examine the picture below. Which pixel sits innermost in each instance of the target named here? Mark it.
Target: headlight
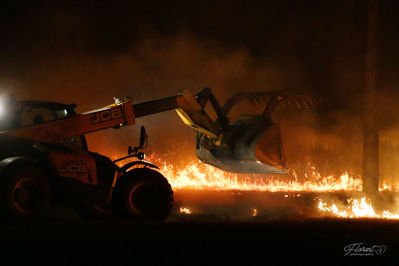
(2, 108)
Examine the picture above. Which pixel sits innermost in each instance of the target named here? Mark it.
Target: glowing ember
(254, 212)
(355, 209)
(185, 210)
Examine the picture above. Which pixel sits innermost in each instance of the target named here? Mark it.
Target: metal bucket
(251, 146)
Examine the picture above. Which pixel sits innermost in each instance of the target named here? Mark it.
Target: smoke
(160, 66)
(72, 55)
(157, 66)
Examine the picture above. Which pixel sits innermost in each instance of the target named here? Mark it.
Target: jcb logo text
(74, 168)
(106, 115)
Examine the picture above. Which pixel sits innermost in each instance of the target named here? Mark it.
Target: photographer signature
(360, 249)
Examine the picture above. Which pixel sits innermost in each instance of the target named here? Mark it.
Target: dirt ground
(61, 240)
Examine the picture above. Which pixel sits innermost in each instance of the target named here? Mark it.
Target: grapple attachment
(252, 144)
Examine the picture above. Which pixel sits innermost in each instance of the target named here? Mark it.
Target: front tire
(143, 194)
(24, 193)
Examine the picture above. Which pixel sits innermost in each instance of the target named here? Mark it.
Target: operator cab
(16, 114)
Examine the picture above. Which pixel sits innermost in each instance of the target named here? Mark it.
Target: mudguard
(15, 161)
(145, 163)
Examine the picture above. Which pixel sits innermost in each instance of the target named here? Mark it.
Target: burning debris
(354, 208)
(185, 210)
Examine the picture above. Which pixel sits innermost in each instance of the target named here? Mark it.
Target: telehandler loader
(44, 156)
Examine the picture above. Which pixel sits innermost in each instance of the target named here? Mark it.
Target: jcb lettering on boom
(106, 115)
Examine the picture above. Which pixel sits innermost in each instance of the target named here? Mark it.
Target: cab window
(78, 142)
(34, 115)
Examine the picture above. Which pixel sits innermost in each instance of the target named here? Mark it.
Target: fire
(185, 210)
(356, 208)
(200, 176)
(196, 175)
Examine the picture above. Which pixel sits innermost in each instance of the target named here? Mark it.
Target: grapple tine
(304, 103)
(290, 104)
(264, 100)
(297, 104)
(310, 102)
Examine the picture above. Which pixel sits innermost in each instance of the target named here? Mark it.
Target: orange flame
(196, 175)
(356, 208)
(201, 176)
(185, 210)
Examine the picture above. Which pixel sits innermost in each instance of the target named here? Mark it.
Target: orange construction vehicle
(44, 157)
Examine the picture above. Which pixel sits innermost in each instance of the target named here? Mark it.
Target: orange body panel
(79, 165)
(55, 131)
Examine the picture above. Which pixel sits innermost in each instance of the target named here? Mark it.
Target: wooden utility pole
(370, 134)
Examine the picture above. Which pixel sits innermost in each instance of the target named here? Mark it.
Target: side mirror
(143, 138)
(143, 145)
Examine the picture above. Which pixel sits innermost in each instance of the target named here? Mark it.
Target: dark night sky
(325, 39)
(88, 51)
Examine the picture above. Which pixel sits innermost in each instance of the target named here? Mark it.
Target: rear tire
(25, 193)
(143, 194)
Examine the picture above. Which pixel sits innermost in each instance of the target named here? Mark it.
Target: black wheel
(24, 193)
(94, 212)
(143, 194)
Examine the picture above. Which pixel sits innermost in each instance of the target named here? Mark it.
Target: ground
(68, 240)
